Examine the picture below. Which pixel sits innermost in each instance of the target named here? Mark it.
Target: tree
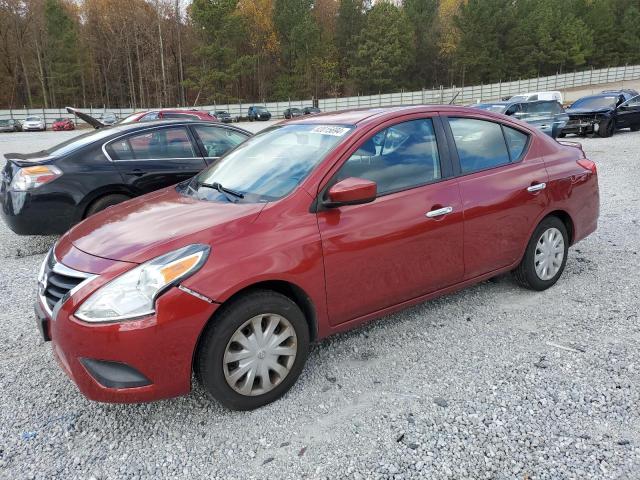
(385, 50)
(423, 15)
(61, 53)
(349, 24)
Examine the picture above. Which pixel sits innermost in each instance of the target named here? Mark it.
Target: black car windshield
(492, 107)
(260, 109)
(595, 103)
(269, 165)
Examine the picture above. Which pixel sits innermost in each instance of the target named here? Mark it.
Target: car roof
(132, 127)
(366, 115)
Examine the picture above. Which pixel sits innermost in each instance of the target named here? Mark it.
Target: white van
(531, 96)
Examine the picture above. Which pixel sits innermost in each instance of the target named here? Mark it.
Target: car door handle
(439, 212)
(136, 172)
(537, 187)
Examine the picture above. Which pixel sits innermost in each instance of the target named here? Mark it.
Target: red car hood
(148, 226)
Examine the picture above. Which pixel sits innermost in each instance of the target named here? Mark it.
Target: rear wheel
(636, 128)
(254, 350)
(562, 135)
(545, 257)
(607, 128)
(104, 202)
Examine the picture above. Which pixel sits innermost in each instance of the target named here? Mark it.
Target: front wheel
(545, 257)
(607, 128)
(253, 351)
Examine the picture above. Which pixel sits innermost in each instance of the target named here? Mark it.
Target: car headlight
(29, 178)
(133, 294)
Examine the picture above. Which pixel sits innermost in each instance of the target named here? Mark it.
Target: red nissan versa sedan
(310, 228)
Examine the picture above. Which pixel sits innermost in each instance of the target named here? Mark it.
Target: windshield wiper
(217, 186)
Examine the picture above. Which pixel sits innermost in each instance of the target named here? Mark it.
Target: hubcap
(260, 354)
(549, 254)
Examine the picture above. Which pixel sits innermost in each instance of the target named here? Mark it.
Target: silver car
(33, 124)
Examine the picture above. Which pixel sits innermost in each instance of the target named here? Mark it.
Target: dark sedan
(223, 116)
(292, 112)
(310, 110)
(49, 191)
(257, 113)
(603, 114)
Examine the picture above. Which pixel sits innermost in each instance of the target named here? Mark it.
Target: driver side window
(398, 158)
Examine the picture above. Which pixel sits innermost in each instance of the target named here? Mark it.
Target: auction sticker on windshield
(330, 130)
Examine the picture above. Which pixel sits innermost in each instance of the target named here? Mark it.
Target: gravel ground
(493, 382)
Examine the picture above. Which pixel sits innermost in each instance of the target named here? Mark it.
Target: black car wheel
(636, 128)
(607, 128)
(105, 202)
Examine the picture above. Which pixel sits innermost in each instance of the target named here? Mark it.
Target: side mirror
(351, 191)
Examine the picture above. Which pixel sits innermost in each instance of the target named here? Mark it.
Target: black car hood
(94, 122)
(586, 111)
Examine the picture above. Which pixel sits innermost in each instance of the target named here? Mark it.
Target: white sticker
(330, 130)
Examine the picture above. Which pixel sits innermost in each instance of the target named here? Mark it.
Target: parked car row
(229, 267)
(602, 114)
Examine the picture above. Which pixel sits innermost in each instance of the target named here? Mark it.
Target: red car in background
(63, 124)
(310, 228)
(149, 115)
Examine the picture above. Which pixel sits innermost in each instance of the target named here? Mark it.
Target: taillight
(587, 165)
(29, 178)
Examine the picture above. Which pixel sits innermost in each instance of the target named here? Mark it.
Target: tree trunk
(164, 77)
(42, 77)
(26, 80)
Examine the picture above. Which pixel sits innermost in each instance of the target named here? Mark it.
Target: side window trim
(454, 149)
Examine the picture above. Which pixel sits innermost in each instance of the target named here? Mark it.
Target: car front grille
(56, 282)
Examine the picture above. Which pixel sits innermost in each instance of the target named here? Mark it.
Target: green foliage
(85, 52)
(61, 51)
(385, 50)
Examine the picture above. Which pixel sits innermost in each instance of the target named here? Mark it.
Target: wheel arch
(101, 192)
(567, 220)
(290, 290)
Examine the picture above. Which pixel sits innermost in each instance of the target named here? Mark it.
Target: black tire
(525, 273)
(635, 128)
(210, 354)
(607, 128)
(562, 135)
(105, 202)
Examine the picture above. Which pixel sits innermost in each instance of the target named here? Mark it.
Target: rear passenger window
(401, 157)
(480, 144)
(120, 150)
(516, 141)
(155, 145)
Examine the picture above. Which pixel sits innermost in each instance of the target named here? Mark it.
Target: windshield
(32, 119)
(4, 122)
(595, 103)
(260, 109)
(271, 164)
(492, 107)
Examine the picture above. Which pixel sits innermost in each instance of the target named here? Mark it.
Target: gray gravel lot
(493, 382)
